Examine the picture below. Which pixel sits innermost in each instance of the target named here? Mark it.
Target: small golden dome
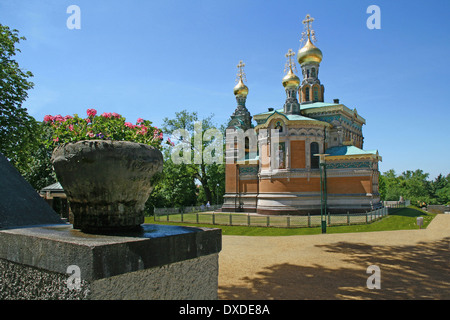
(309, 53)
(241, 89)
(290, 80)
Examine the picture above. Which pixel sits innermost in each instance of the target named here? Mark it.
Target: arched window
(247, 148)
(279, 126)
(306, 93)
(281, 156)
(313, 72)
(316, 94)
(314, 148)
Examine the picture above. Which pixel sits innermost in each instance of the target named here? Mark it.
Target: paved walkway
(414, 264)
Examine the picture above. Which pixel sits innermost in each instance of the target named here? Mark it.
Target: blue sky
(151, 59)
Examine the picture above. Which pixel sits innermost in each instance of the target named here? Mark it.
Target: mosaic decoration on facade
(348, 165)
(248, 171)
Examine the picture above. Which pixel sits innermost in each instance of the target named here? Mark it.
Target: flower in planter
(107, 126)
(91, 112)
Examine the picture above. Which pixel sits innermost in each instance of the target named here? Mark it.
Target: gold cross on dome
(290, 64)
(241, 73)
(309, 32)
(307, 22)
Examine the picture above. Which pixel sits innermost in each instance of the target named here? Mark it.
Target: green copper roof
(348, 151)
(302, 107)
(298, 117)
(290, 117)
(317, 105)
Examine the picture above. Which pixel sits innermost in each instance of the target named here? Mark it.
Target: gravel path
(414, 264)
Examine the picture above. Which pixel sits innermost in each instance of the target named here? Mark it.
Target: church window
(316, 94)
(314, 148)
(247, 148)
(313, 72)
(306, 94)
(279, 127)
(281, 156)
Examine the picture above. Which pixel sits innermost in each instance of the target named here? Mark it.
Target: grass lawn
(398, 219)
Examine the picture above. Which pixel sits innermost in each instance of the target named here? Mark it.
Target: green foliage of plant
(17, 127)
(37, 169)
(175, 188)
(415, 186)
(192, 183)
(107, 126)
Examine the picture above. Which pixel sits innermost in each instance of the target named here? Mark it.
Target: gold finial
(241, 73)
(290, 65)
(241, 90)
(290, 80)
(309, 32)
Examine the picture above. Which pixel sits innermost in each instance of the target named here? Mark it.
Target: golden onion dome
(241, 89)
(309, 53)
(290, 80)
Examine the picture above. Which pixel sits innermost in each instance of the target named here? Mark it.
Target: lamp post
(217, 194)
(323, 190)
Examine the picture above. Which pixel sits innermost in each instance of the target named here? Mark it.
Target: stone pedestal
(157, 262)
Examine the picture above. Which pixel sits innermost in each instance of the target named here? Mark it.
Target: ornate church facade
(320, 161)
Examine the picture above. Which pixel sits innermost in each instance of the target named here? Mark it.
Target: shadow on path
(407, 272)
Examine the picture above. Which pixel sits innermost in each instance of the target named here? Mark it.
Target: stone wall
(193, 279)
(438, 208)
(161, 262)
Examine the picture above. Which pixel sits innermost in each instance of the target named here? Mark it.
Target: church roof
(302, 107)
(292, 117)
(348, 151)
(263, 119)
(317, 105)
(311, 110)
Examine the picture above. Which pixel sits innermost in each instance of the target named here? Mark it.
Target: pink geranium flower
(144, 130)
(58, 118)
(91, 112)
(109, 126)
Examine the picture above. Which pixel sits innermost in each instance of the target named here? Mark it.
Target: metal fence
(189, 209)
(256, 220)
(396, 204)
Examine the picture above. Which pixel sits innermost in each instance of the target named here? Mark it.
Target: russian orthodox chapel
(319, 148)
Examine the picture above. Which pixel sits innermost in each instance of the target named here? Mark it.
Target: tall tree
(175, 186)
(37, 168)
(415, 186)
(392, 190)
(440, 189)
(17, 127)
(211, 176)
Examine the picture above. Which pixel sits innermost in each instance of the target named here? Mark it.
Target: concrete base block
(160, 262)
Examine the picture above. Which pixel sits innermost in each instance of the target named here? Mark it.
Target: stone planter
(107, 182)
